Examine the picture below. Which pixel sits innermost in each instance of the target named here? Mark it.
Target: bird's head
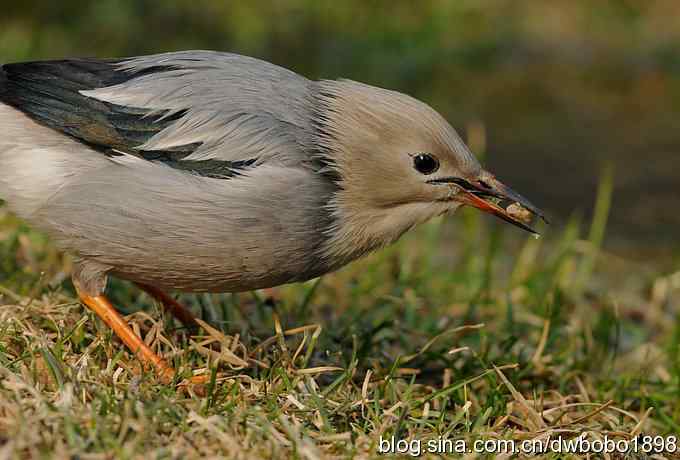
(399, 163)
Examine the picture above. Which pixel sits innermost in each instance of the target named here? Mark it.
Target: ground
(463, 331)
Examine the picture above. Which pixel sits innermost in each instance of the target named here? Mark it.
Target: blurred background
(574, 103)
(549, 93)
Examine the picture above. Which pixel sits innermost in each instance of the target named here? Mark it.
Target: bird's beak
(492, 196)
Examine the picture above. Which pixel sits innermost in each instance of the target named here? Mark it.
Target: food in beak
(515, 213)
(494, 197)
(518, 212)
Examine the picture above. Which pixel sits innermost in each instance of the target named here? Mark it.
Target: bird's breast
(156, 225)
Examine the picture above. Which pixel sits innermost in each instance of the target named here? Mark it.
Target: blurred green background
(548, 92)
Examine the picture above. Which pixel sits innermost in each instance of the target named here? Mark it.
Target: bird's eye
(425, 163)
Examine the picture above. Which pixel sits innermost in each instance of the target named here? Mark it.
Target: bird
(207, 171)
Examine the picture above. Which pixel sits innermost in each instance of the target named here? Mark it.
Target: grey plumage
(206, 171)
(235, 107)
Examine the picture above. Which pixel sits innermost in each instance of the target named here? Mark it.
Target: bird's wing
(196, 110)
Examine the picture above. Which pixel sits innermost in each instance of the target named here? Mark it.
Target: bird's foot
(105, 310)
(101, 305)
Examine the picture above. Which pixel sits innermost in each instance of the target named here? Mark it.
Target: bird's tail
(35, 161)
(3, 79)
(3, 171)
(11, 177)
(3, 89)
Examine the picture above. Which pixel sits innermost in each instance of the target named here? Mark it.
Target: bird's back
(189, 170)
(197, 102)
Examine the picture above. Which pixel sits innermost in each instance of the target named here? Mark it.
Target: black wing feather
(49, 93)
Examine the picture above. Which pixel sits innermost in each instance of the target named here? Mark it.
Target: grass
(461, 331)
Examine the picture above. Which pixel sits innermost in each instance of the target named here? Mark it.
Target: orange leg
(175, 308)
(103, 308)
